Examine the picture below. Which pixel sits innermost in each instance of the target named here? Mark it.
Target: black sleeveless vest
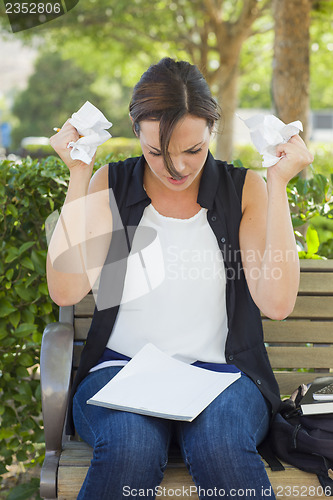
(220, 192)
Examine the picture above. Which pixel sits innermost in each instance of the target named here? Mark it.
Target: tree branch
(213, 11)
(249, 14)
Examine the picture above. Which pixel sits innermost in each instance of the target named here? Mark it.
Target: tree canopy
(114, 43)
(54, 91)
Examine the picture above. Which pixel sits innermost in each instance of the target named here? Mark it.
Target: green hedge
(117, 146)
(29, 193)
(311, 205)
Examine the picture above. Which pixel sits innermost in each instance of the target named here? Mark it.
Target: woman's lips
(177, 182)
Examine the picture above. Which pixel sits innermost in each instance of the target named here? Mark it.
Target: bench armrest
(55, 374)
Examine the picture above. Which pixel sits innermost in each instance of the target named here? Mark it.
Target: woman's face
(188, 149)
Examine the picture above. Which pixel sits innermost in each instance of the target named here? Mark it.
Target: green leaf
(3, 333)
(25, 329)
(46, 308)
(12, 254)
(25, 360)
(297, 221)
(25, 389)
(312, 240)
(38, 392)
(9, 274)
(6, 308)
(21, 456)
(27, 263)
(3, 469)
(14, 318)
(12, 210)
(6, 433)
(22, 372)
(27, 294)
(238, 163)
(31, 279)
(27, 314)
(26, 246)
(23, 491)
(37, 337)
(43, 289)
(39, 261)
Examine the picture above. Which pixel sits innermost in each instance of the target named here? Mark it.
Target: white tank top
(183, 310)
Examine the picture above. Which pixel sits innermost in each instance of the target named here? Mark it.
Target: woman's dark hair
(166, 92)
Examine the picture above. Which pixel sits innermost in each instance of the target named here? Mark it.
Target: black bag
(306, 442)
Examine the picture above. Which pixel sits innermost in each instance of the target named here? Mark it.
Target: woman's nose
(179, 164)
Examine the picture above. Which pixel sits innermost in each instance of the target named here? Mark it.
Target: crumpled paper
(267, 131)
(90, 124)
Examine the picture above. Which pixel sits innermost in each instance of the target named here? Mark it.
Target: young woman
(228, 252)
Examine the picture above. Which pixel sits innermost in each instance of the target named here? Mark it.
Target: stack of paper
(154, 383)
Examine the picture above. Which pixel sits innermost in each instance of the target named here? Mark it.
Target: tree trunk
(227, 99)
(230, 36)
(291, 69)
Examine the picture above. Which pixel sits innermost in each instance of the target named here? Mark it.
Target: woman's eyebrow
(186, 151)
(193, 147)
(152, 147)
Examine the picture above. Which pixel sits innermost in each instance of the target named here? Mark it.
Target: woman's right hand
(60, 141)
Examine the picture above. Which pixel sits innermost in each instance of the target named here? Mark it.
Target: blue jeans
(131, 450)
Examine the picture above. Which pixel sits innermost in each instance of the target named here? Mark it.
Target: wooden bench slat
(306, 307)
(289, 381)
(176, 478)
(316, 265)
(274, 331)
(81, 328)
(298, 331)
(316, 283)
(179, 480)
(313, 307)
(77, 351)
(85, 308)
(300, 357)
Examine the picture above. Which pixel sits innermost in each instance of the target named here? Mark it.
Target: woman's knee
(219, 448)
(131, 452)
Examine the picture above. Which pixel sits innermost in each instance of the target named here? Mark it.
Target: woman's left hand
(295, 156)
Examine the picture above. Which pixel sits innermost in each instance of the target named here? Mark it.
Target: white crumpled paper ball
(267, 131)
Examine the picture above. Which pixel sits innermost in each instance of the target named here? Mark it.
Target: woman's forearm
(279, 277)
(66, 273)
(81, 238)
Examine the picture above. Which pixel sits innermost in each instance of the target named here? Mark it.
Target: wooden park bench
(303, 341)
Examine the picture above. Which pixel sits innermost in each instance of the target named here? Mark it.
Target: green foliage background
(58, 85)
(29, 193)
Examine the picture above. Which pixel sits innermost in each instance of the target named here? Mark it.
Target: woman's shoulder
(110, 173)
(254, 189)
(99, 180)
